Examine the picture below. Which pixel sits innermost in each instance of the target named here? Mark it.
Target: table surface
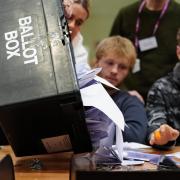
(56, 166)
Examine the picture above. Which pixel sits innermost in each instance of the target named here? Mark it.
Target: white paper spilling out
(87, 76)
(96, 96)
(119, 143)
(135, 155)
(104, 81)
(134, 145)
(176, 155)
(131, 162)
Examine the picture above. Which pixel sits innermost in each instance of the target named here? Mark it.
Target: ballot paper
(84, 77)
(95, 95)
(135, 155)
(104, 118)
(176, 155)
(134, 146)
(104, 81)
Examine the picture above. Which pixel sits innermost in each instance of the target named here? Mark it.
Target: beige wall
(102, 14)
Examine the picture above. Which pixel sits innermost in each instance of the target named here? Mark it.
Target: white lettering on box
(12, 44)
(25, 21)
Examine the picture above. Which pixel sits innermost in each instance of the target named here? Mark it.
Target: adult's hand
(67, 7)
(163, 135)
(135, 93)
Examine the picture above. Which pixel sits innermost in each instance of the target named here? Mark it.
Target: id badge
(148, 43)
(137, 66)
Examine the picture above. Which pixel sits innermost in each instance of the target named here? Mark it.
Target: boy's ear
(178, 51)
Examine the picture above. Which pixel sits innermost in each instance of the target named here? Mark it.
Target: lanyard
(156, 26)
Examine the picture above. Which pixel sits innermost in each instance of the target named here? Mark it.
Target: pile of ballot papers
(104, 119)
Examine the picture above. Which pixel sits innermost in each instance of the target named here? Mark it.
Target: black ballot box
(41, 109)
(3, 139)
(89, 166)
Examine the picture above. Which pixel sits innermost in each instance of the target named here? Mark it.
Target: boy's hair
(178, 37)
(118, 45)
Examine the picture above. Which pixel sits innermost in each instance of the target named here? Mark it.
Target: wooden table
(56, 166)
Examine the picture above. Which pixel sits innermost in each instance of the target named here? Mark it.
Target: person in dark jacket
(163, 108)
(146, 23)
(116, 56)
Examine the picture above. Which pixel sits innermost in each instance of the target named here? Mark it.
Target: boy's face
(114, 68)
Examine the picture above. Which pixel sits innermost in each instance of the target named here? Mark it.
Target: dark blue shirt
(135, 116)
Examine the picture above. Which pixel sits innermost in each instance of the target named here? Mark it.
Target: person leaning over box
(77, 12)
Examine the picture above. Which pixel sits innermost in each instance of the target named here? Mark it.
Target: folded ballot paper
(104, 119)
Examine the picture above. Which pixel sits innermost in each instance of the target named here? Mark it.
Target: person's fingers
(168, 132)
(174, 134)
(67, 7)
(67, 2)
(165, 131)
(135, 93)
(152, 140)
(160, 137)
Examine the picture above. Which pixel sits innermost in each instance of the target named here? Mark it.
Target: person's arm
(160, 134)
(116, 27)
(67, 7)
(135, 119)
